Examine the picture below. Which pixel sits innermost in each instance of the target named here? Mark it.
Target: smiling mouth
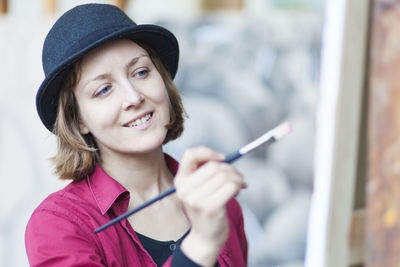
(139, 121)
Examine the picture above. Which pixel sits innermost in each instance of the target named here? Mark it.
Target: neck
(145, 175)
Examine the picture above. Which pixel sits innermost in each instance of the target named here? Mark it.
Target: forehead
(112, 50)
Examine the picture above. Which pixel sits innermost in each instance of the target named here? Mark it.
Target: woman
(109, 97)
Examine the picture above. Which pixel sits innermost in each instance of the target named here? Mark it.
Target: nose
(131, 97)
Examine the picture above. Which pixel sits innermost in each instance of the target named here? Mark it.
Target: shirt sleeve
(236, 215)
(242, 236)
(57, 239)
(179, 259)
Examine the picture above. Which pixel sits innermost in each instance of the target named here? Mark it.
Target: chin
(147, 146)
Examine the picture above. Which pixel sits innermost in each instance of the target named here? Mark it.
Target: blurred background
(245, 67)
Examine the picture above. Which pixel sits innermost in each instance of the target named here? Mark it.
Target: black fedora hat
(80, 30)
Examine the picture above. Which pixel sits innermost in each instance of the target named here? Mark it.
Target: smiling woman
(123, 93)
(78, 153)
(109, 98)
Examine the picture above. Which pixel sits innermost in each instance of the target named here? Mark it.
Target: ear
(83, 129)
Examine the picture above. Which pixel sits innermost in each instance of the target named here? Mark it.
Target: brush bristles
(282, 130)
(271, 136)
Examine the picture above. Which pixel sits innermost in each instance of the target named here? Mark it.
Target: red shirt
(60, 230)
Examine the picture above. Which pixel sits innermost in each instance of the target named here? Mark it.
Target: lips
(139, 120)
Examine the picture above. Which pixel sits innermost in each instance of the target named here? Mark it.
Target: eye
(142, 73)
(103, 91)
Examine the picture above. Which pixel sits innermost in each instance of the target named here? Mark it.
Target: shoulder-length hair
(78, 154)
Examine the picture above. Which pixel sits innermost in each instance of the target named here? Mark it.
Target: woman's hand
(205, 184)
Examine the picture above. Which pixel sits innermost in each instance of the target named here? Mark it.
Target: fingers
(210, 187)
(219, 198)
(193, 158)
(212, 196)
(204, 184)
(219, 181)
(209, 178)
(200, 175)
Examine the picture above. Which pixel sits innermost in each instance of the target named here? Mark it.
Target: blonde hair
(78, 154)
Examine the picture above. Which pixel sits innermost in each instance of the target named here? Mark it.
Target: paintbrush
(266, 139)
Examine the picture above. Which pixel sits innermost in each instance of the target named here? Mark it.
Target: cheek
(163, 94)
(159, 94)
(166, 104)
(97, 117)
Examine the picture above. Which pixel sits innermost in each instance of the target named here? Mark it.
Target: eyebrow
(105, 76)
(133, 61)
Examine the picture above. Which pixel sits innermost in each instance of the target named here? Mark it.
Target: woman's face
(122, 99)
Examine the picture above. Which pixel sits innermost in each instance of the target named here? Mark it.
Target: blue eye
(103, 91)
(142, 73)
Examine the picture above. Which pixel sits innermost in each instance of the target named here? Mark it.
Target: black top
(161, 250)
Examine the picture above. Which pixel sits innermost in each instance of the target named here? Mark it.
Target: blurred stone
(267, 187)
(3, 244)
(284, 232)
(18, 161)
(252, 225)
(211, 124)
(294, 153)
(256, 105)
(20, 70)
(293, 264)
(260, 71)
(297, 65)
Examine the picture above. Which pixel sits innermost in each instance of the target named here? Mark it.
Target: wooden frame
(213, 5)
(50, 6)
(383, 184)
(120, 3)
(343, 71)
(3, 6)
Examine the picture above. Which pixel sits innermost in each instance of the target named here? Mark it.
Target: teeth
(139, 121)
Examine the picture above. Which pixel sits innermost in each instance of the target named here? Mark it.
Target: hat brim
(158, 38)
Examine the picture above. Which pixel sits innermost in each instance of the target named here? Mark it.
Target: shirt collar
(107, 190)
(104, 188)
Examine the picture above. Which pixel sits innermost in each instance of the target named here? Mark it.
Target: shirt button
(172, 247)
